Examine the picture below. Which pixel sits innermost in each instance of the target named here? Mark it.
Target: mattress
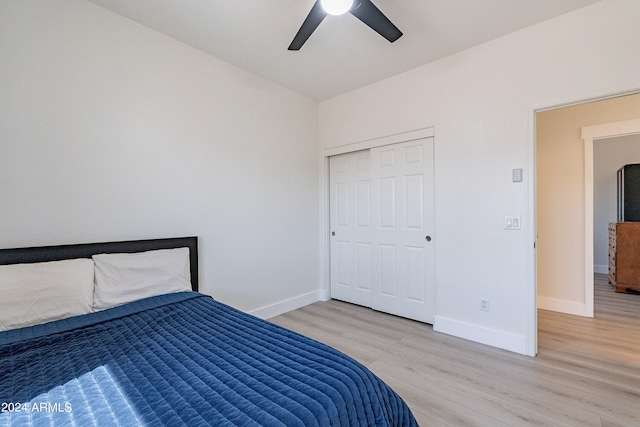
(184, 359)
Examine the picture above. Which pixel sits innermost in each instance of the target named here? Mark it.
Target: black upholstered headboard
(86, 250)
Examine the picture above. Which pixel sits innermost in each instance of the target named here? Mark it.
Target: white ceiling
(343, 54)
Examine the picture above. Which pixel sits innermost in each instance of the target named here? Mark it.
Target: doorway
(564, 200)
(611, 134)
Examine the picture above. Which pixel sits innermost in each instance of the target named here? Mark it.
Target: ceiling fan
(364, 10)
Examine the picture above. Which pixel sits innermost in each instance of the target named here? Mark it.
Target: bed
(172, 356)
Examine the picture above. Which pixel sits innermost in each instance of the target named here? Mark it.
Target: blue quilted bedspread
(184, 359)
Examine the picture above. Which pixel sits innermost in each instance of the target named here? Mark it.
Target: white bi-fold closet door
(382, 225)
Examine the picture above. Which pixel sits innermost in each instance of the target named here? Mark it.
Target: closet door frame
(325, 230)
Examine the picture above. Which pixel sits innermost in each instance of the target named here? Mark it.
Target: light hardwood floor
(586, 373)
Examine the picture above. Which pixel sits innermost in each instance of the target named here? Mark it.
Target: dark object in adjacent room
(629, 193)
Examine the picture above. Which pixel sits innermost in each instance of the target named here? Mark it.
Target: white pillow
(45, 291)
(122, 278)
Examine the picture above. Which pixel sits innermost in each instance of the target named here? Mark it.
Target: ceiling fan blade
(368, 13)
(309, 25)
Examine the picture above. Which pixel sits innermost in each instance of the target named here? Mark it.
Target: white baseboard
(482, 335)
(563, 306)
(601, 269)
(276, 309)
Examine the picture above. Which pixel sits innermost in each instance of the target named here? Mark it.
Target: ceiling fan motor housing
(364, 10)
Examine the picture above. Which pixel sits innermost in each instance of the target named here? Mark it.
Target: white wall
(110, 131)
(481, 105)
(609, 155)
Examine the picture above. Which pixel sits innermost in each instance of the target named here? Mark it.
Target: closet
(382, 228)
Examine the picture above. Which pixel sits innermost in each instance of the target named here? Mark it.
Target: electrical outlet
(484, 304)
(516, 175)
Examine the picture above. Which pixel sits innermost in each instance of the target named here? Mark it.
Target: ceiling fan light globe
(336, 7)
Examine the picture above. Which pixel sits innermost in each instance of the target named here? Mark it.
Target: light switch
(512, 223)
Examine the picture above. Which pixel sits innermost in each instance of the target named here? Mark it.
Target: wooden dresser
(624, 255)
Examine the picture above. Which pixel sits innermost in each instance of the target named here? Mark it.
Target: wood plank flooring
(587, 372)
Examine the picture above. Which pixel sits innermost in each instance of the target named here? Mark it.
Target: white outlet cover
(516, 175)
